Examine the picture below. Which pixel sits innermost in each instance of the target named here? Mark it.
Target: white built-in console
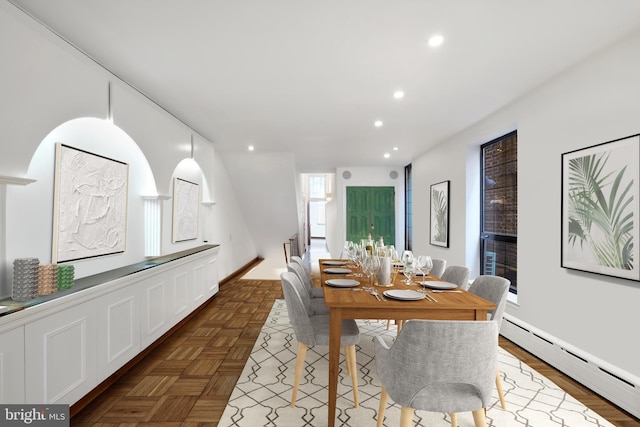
(58, 350)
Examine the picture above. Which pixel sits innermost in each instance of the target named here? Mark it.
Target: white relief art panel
(186, 204)
(90, 205)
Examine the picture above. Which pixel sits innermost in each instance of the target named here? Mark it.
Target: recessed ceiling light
(398, 94)
(436, 40)
(378, 123)
(395, 148)
(387, 155)
(250, 148)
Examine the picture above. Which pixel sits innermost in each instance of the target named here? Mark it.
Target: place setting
(337, 270)
(334, 263)
(342, 283)
(404, 295)
(437, 285)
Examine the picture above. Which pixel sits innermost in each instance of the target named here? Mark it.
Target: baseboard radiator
(618, 386)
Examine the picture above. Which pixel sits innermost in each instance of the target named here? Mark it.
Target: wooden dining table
(346, 303)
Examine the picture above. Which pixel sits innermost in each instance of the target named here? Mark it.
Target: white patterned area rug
(262, 394)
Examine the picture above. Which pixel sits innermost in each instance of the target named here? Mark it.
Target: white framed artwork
(186, 205)
(439, 213)
(90, 205)
(601, 208)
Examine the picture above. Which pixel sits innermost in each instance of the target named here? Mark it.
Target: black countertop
(100, 278)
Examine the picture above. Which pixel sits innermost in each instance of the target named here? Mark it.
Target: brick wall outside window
(500, 207)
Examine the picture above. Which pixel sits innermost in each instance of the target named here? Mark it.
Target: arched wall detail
(29, 208)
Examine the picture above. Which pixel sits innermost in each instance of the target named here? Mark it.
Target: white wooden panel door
(60, 355)
(12, 366)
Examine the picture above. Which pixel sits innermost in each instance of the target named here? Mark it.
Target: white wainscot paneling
(59, 351)
(181, 293)
(12, 366)
(211, 276)
(154, 313)
(119, 327)
(198, 283)
(60, 355)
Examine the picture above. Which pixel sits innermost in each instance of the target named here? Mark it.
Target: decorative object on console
(186, 204)
(47, 279)
(25, 279)
(65, 276)
(601, 207)
(439, 227)
(90, 205)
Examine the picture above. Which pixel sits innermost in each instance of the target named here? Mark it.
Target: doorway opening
(317, 219)
(317, 192)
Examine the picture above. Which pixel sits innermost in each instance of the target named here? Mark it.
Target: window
(499, 208)
(316, 187)
(408, 209)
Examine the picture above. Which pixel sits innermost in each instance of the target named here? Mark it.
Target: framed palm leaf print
(600, 208)
(439, 235)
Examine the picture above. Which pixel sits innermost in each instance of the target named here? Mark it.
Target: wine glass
(372, 266)
(359, 257)
(424, 264)
(391, 251)
(407, 257)
(407, 265)
(350, 251)
(409, 270)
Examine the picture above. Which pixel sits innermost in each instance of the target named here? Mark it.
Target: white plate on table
(342, 283)
(435, 284)
(404, 295)
(337, 270)
(334, 262)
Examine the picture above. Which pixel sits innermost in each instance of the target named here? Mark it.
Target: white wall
(229, 227)
(52, 93)
(267, 188)
(594, 102)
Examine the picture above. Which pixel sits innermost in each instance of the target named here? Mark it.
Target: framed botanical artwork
(186, 205)
(600, 208)
(439, 235)
(90, 205)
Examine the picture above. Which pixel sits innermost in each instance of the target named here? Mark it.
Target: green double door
(367, 206)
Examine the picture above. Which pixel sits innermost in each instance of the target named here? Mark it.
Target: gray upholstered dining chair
(494, 289)
(457, 274)
(304, 275)
(438, 366)
(313, 330)
(297, 260)
(316, 303)
(439, 266)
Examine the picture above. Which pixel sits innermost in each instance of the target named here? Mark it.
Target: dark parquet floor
(187, 379)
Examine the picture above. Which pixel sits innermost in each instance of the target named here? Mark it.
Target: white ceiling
(310, 77)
